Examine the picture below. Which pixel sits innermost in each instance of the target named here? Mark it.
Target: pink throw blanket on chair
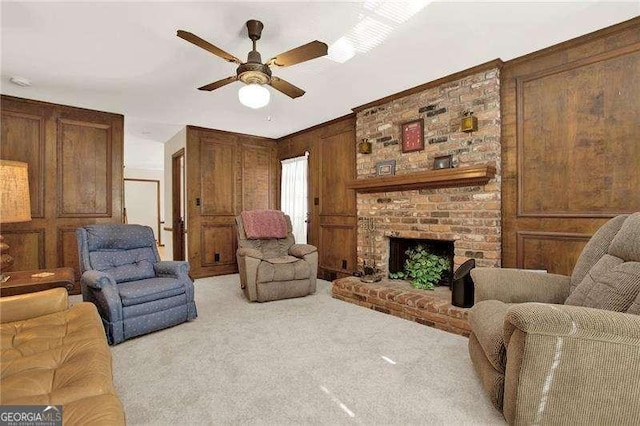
(260, 224)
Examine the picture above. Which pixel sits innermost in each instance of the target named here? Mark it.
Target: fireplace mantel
(460, 176)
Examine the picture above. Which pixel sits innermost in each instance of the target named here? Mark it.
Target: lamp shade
(254, 95)
(15, 204)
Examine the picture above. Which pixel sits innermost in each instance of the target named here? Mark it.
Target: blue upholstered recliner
(134, 291)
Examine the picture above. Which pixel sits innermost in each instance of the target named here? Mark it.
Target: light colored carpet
(311, 360)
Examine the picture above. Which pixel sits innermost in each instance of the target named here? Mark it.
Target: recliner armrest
(171, 268)
(577, 322)
(96, 279)
(250, 252)
(519, 285)
(566, 364)
(301, 250)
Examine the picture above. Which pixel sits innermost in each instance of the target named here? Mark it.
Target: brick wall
(468, 215)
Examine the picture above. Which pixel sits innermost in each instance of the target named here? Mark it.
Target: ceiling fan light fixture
(254, 95)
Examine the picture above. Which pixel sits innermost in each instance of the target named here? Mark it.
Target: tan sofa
(53, 354)
(573, 356)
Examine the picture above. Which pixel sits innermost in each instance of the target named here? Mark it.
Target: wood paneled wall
(333, 219)
(226, 173)
(570, 145)
(75, 159)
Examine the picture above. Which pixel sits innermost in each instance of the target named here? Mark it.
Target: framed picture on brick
(386, 168)
(443, 162)
(413, 136)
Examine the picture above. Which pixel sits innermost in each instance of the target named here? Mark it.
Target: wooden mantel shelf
(460, 176)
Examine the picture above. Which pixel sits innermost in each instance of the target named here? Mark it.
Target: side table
(21, 282)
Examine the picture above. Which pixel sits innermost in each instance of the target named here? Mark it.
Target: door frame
(157, 182)
(178, 166)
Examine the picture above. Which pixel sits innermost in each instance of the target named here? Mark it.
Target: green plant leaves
(422, 269)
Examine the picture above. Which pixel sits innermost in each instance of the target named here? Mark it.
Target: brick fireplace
(467, 215)
(399, 246)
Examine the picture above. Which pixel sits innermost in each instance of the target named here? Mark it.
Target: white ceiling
(124, 57)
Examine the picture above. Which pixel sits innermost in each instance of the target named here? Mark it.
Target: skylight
(378, 20)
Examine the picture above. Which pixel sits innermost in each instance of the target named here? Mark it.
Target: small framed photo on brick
(443, 162)
(413, 136)
(386, 168)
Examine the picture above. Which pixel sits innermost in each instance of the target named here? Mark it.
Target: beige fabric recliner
(573, 357)
(277, 268)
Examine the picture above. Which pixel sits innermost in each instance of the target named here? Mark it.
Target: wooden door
(226, 173)
(75, 159)
(569, 146)
(337, 216)
(332, 207)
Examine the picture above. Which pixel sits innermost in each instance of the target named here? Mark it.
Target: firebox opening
(398, 247)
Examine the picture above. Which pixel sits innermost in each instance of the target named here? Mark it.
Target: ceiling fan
(253, 72)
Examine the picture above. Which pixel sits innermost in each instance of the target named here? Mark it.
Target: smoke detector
(20, 81)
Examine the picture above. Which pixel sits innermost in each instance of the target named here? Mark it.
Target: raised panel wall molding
(22, 142)
(257, 176)
(215, 240)
(26, 246)
(67, 245)
(218, 172)
(543, 249)
(582, 139)
(84, 187)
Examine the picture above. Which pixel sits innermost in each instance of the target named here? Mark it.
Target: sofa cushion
(611, 284)
(487, 320)
(55, 359)
(143, 291)
(31, 336)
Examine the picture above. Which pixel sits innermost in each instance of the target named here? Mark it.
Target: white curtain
(293, 195)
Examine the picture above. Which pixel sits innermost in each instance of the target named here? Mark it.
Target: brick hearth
(432, 308)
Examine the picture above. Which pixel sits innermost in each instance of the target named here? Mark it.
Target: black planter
(462, 290)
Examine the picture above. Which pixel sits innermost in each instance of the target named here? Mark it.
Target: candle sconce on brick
(365, 146)
(469, 123)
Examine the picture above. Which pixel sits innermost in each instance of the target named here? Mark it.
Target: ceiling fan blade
(194, 39)
(306, 52)
(286, 87)
(217, 84)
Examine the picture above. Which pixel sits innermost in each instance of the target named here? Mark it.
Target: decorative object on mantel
(469, 123)
(370, 272)
(443, 162)
(413, 135)
(386, 168)
(15, 205)
(444, 178)
(365, 146)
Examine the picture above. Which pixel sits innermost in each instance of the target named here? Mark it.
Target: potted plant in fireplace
(422, 268)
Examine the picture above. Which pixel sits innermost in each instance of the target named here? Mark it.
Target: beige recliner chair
(574, 356)
(271, 265)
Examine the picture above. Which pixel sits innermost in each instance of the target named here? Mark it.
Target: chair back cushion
(607, 274)
(126, 252)
(270, 248)
(264, 224)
